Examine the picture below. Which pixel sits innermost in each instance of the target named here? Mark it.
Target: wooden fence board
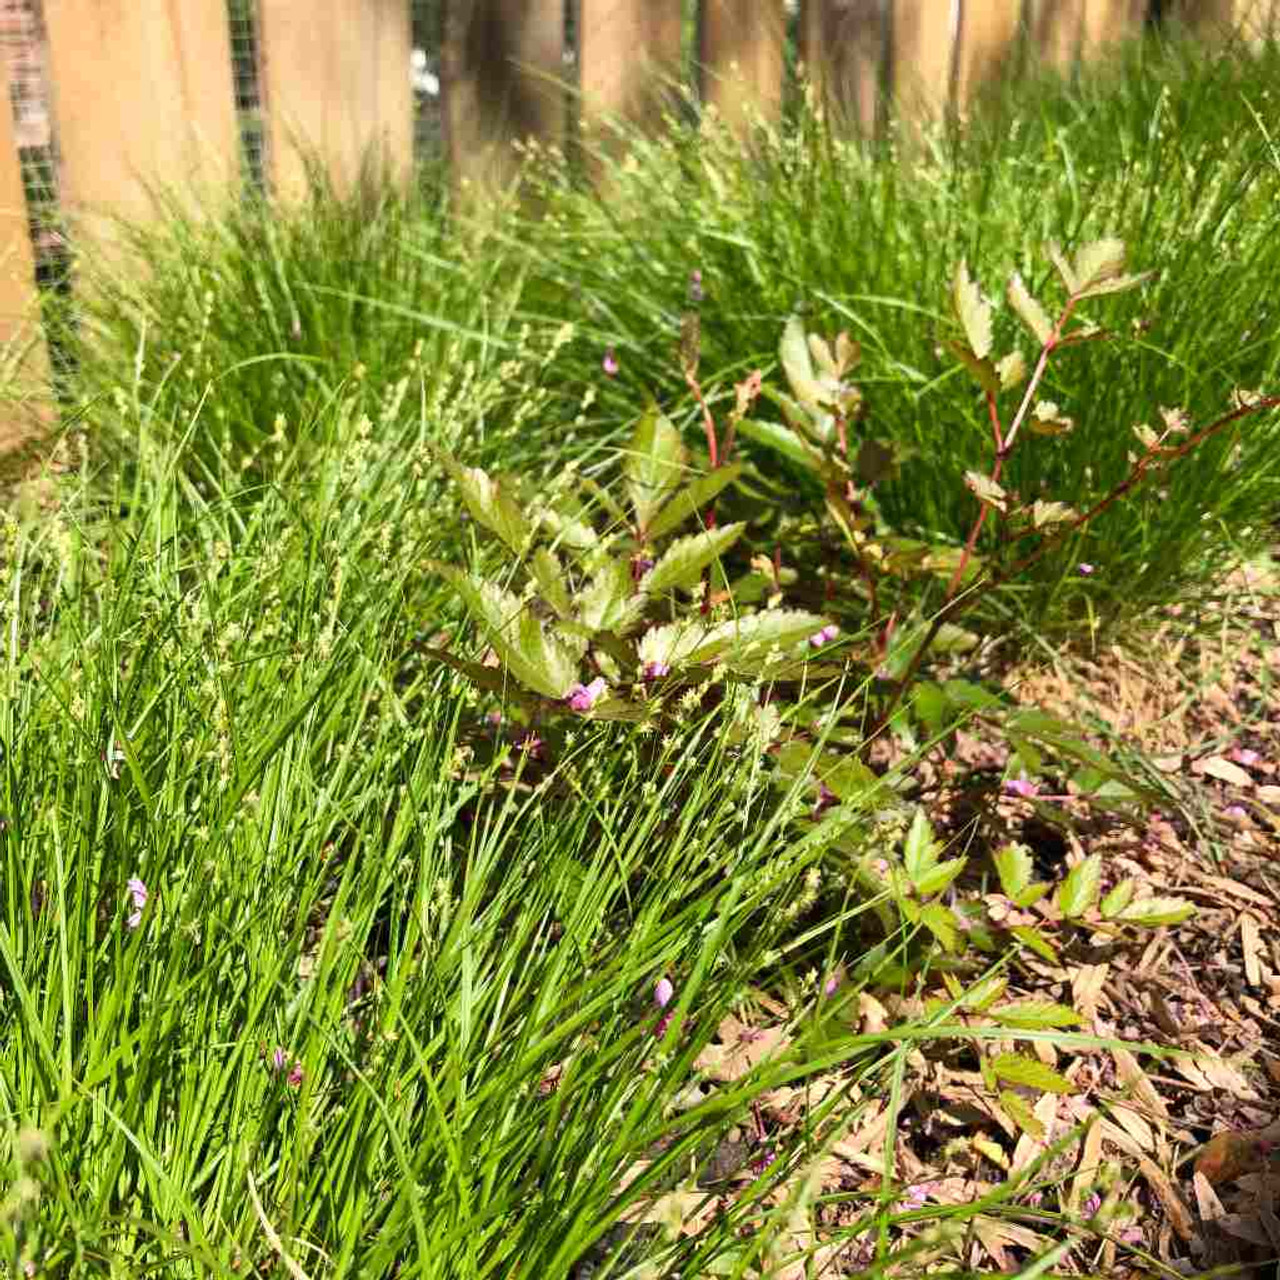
(741, 51)
(626, 48)
(844, 46)
(142, 96)
(19, 315)
(924, 47)
(989, 48)
(503, 74)
(1108, 22)
(1257, 20)
(335, 80)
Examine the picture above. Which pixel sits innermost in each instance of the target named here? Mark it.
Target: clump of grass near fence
(1176, 156)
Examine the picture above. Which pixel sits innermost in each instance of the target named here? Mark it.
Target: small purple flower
(826, 798)
(663, 992)
(610, 362)
(1236, 812)
(139, 894)
(832, 984)
(825, 636)
(655, 670)
(915, 1198)
(695, 286)
(582, 697)
(1085, 569)
(281, 1060)
(1245, 756)
(1021, 787)
(1092, 1203)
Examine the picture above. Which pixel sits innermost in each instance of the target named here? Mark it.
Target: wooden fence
(129, 95)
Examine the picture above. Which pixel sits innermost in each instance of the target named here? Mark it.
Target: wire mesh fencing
(242, 19)
(428, 39)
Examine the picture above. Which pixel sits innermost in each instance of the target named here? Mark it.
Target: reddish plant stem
(708, 422)
(997, 576)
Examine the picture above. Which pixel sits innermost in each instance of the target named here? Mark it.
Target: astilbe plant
(645, 604)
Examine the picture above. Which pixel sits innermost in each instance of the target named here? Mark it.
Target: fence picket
(923, 59)
(20, 334)
(844, 46)
(503, 81)
(142, 96)
(336, 87)
(627, 50)
(990, 46)
(741, 50)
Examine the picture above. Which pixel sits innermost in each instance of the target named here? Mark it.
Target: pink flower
(663, 992)
(1236, 812)
(825, 636)
(655, 670)
(281, 1060)
(832, 984)
(610, 362)
(1085, 569)
(1021, 787)
(1244, 756)
(139, 894)
(582, 697)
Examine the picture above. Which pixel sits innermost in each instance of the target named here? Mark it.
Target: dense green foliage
(306, 967)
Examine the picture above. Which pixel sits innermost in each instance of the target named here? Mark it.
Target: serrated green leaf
(1079, 891)
(952, 639)
(1118, 899)
(1030, 312)
(756, 633)
(1155, 911)
(942, 924)
(539, 658)
(1014, 867)
(919, 851)
(609, 602)
(684, 560)
(1016, 1068)
(986, 490)
(691, 499)
(1118, 284)
(797, 364)
(1011, 370)
(973, 311)
(1048, 420)
(1032, 894)
(1036, 941)
(930, 705)
(937, 878)
(653, 465)
(1068, 276)
(1017, 1109)
(781, 439)
(691, 640)
(1046, 514)
(549, 575)
(489, 504)
(821, 353)
(983, 370)
(1098, 262)
(1036, 1015)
